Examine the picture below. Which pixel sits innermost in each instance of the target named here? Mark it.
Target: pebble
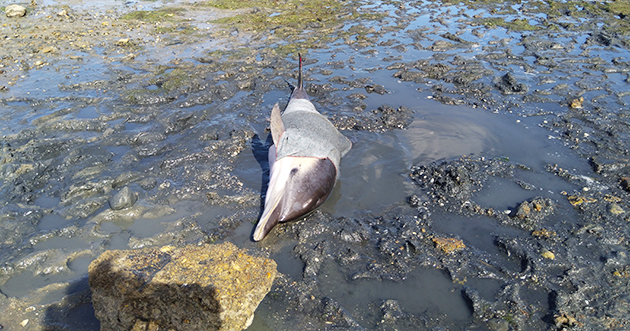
(615, 209)
(125, 198)
(15, 11)
(548, 255)
(122, 42)
(449, 245)
(577, 103)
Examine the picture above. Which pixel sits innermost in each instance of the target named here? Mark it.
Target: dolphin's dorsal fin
(299, 92)
(300, 82)
(277, 127)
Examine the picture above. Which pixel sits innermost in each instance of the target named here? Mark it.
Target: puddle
(478, 232)
(362, 297)
(288, 263)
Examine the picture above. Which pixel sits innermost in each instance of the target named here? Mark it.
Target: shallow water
(171, 144)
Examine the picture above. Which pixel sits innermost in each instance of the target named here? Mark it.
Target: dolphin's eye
(294, 171)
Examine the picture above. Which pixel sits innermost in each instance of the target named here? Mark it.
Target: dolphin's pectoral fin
(297, 186)
(277, 127)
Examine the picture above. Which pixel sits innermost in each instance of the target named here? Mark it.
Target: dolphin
(304, 160)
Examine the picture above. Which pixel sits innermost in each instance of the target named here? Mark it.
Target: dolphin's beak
(297, 185)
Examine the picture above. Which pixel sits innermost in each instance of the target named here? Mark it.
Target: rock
(449, 245)
(392, 118)
(509, 85)
(148, 183)
(14, 11)
(337, 317)
(125, 198)
(548, 254)
(625, 183)
(441, 46)
(375, 88)
(523, 210)
(577, 200)
(543, 233)
(497, 324)
(615, 209)
(577, 103)
(607, 167)
(209, 287)
(128, 215)
(122, 42)
(564, 320)
(126, 178)
(531, 212)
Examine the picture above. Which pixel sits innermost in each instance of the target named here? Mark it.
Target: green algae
(621, 7)
(612, 16)
(286, 18)
(175, 79)
(152, 16)
(187, 30)
(514, 25)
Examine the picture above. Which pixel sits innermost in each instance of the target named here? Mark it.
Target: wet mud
(487, 187)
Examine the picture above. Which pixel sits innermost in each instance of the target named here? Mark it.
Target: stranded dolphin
(304, 161)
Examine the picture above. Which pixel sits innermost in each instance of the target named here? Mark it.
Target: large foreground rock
(209, 287)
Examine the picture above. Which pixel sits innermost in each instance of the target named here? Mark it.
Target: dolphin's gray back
(310, 134)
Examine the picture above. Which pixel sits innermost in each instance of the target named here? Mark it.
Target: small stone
(48, 49)
(523, 210)
(449, 245)
(576, 200)
(615, 209)
(625, 183)
(122, 42)
(14, 11)
(24, 322)
(498, 324)
(611, 198)
(543, 233)
(208, 287)
(623, 272)
(548, 255)
(508, 84)
(564, 320)
(376, 88)
(577, 103)
(125, 198)
(148, 183)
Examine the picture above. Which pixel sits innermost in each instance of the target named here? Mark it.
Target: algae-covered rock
(209, 287)
(449, 245)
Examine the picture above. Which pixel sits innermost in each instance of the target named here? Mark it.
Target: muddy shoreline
(487, 187)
